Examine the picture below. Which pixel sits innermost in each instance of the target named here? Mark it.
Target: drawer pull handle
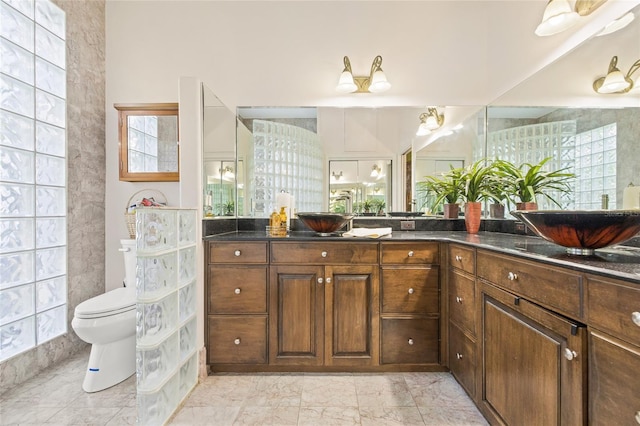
(569, 354)
(323, 254)
(410, 254)
(512, 276)
(320, 280)
(635, 317)
(237, 253)
(237, 291)
(458, 258)
(237, 341)
(458, 299)
(410, 341)
(328, 280)
(458, 355)
(411, 291)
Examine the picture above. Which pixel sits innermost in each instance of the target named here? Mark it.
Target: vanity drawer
(552, 287)
(237, 340)
(409, 341)
(614, 307)
(329, 253)
(462, 301)
(463, 258)
(462, 359)
(409, 253)
(237, 252)
(235, 289)
(409, 290)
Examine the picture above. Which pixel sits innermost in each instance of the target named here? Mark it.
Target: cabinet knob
(328, 280)
(320, 280)
(569, 354)
(512, 276)
(410, 341)
(411, 291)
(458, 299)
(237, 341)
(237, 291)
(323, 254)
(237, 253)
(458, 355)
(410, 254)
(635, 317)
(458, 258)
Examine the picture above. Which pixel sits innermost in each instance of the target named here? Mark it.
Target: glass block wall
(33, 252)
(532, 144)
(166, 356)
(143, 143)
(288, 158)
(595, 164)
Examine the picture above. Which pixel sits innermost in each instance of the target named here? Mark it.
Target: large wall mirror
(149, 142)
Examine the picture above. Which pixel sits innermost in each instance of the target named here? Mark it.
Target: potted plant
(446, 188)
(228, 208)
(528, 181)
(478, 183)
(498, 194)
(378, 206)
(367, 206)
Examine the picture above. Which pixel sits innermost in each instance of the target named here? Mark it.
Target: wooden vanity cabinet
(463, 316)
(410, 303)
(613, 309)
(324, 304)
(534, 361)
(236, 293)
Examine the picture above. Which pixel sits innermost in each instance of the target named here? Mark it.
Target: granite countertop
(618, 262)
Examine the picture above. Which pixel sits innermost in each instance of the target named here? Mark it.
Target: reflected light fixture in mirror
(617, 25)
(375, 171)
(615, 81)
(336, 176)
(429, 121)
(376, 82)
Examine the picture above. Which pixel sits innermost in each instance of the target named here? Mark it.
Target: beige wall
(85, 182)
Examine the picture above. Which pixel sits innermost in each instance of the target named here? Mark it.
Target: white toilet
(108, 322)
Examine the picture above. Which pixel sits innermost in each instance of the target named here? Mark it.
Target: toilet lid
(110, 303)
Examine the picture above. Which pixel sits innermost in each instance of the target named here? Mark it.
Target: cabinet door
(351, 315)
(534, 363)
(296, 312)
(614, 386)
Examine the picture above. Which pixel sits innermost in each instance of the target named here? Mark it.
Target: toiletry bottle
(283, 221)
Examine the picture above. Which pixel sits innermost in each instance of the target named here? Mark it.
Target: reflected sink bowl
(582, 231)
(325, 223)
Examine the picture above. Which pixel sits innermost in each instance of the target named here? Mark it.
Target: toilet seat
(113, 302)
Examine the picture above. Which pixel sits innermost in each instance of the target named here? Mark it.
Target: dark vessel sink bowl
(325, 223)
(582, 231)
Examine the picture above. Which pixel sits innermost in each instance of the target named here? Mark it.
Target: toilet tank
(128, 249)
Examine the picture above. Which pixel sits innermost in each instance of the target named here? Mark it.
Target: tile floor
(56, 398)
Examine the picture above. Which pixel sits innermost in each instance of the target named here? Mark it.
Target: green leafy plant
(479, 182)
(446, 188)
(367, 205)
(528, 181)
(377, 206)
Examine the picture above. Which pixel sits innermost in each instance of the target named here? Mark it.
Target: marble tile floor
(56, 398)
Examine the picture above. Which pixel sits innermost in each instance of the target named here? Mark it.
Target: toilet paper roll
(631, 197)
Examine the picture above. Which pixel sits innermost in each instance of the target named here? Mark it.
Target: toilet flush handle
(125, 249)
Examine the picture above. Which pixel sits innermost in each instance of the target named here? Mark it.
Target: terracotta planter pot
(451, 211)
(527, 206)
(472, 212)
(496, 211)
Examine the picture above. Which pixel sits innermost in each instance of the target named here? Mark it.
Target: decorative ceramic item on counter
(325, 223)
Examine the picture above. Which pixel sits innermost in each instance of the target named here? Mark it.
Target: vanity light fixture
(336, 176)
(615, 81)
(376, 82)
(375, 171)
(226, 172)
(617, 25)
(429, 121)
(558, 15)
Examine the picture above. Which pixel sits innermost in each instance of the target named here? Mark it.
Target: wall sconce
(429, 121)
(558, 15)
(336, 176)
(615, 81)
(617, 25)
(375, 171)
(226, 172)
(376, 82)
(376, 189)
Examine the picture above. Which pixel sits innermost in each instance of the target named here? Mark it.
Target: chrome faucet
(348, 206)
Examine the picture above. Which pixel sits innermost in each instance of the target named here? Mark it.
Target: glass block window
(33, 224)
(288, 158)
(595, 165)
